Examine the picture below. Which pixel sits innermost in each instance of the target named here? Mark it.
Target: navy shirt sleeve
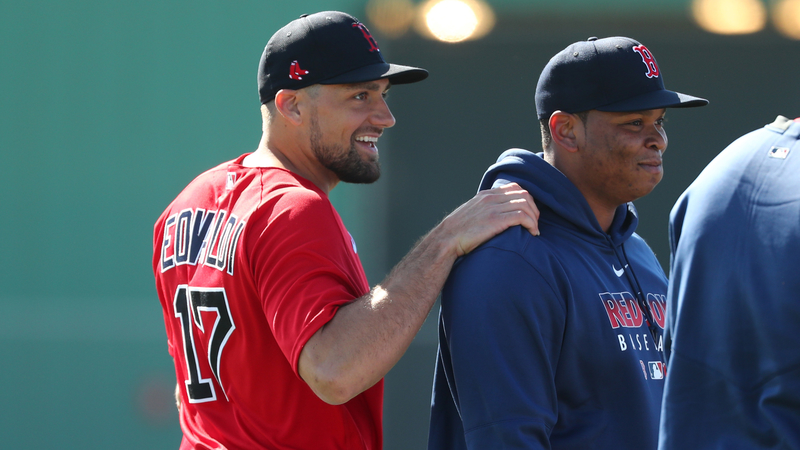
(501, 328)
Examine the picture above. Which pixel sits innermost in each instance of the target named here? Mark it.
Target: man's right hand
(489, 213)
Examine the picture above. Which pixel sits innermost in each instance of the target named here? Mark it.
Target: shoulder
(637, 242)
(505, 282)
(284, 211)
(515, 240)
(543, 254)
(300, 200)
(644, 260)
(296, 225)
(512, 265)
(510, 253)
(210, 178)
(637, 247)
(282, 196)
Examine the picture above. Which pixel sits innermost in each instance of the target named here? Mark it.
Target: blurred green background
(109, 108)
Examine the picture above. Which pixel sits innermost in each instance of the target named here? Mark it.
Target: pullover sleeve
(501, 329)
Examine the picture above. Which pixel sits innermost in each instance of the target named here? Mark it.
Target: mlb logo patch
(656, 370)
(230, 181)
(778, 152)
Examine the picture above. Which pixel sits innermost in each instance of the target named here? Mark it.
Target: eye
(660, 122)
(637, 122)
(361, 96)
(385, 93)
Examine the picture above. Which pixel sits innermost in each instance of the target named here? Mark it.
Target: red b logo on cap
(649, 61)
(373, 45)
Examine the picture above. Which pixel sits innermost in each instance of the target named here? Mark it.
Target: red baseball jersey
(249, 263)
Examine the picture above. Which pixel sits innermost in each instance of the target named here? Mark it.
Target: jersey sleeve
(502, 326)
(304, 267)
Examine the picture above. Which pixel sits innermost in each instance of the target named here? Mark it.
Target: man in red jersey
(277, 339)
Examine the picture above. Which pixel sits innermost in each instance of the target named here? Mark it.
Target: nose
(657, 140)
(382, 116)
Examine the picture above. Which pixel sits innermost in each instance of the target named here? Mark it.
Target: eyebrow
(643, 111)
(664, 110)
(367, 85)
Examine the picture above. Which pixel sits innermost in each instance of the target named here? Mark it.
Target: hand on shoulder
(487, 214)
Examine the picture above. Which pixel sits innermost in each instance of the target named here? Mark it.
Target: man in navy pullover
(734, 299)
(554, 342)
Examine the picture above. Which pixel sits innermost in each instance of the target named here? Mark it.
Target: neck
(603, 212)
(274, 153)
(604, 215)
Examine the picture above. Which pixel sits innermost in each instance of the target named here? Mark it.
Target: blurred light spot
(730, 16)
(451, 20)
(786, 17)
(391, 18)
(455, 20)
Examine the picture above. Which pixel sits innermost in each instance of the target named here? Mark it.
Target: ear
(286, 105)
(566, 130)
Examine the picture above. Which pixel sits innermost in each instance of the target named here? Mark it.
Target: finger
(519, 206)
(527, 199)
(521, 212)
(510, 185)
(506, 211)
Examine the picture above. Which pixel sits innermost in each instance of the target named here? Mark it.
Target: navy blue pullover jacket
(734, 300)
(544, 341)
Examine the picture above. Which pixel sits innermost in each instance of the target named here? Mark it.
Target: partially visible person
(554, 342)
(277, 339)
(734, 300)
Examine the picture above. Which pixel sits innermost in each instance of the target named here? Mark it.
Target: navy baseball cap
(615, 74)
(328, 47)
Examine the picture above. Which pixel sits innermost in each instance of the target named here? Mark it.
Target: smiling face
(345, 125)
(621, 155)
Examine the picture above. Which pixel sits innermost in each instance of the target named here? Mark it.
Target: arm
(501, 330)
(367, 337)
(676, 217)
(178, 396)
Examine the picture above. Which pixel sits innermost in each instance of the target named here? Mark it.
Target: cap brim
(396, 74)
(655, 100)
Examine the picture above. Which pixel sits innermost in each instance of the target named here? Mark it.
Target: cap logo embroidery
(373, 45)
(295, 72)
(649, 61)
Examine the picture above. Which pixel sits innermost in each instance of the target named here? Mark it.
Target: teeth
(367, 139)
